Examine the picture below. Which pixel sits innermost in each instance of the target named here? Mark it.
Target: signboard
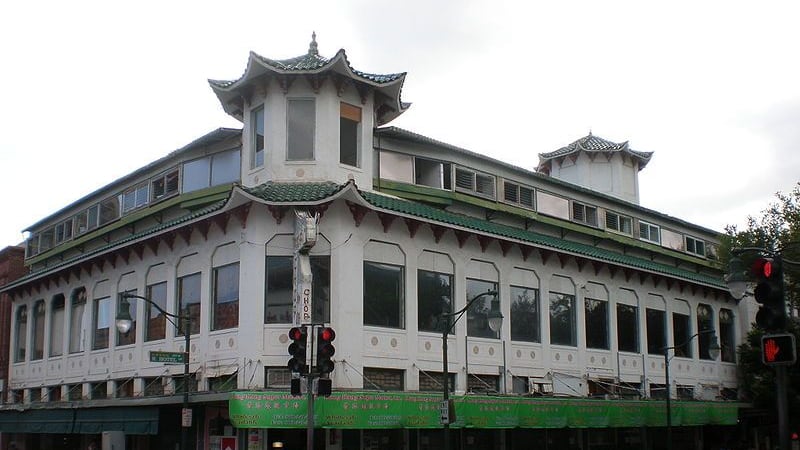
(168, 357)
(384, 410)
(301, 291)
(186, 417)
(778, 349)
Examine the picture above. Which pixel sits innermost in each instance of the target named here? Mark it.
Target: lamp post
(495, 322)
(713, 351)
(124, 321)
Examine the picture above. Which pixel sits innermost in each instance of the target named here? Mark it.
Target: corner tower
(309, 118)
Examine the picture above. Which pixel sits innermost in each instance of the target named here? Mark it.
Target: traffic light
(768, 275)
(297, 349)
(325, 349)
(778, 349)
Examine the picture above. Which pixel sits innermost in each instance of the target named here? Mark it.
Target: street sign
(778, 349)
(444, 408)
(168, 357)
(186, 417)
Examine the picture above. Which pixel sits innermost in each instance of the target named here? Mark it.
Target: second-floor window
(618, 223)
(627, 328)
(656, 331)
(189, 302)
(301, 119)
(584, 214)
(384, 297)
(525, 315)
(349, 132)
(21, 334)
(695, 246)
(38, 330)
(129, 337)
(562, 320)
(155, 321)
(101, 318)
(649, 232)
(257, 137)
(225, 308)
(57, 305)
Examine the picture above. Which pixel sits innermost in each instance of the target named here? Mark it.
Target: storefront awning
(365, 410)
(131, 420)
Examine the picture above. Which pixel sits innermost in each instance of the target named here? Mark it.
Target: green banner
(381, 410)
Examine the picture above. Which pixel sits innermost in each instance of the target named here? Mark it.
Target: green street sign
(168, 357)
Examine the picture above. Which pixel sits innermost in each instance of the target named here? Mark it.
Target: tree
(776, 229)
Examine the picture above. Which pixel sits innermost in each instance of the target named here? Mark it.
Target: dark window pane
(22, 334)
(525, 316)
(705, 321)
(38, 330)
(656, 331)
(278, 299)
(727, 335)
(225, 307)
(478, 313)
(102, 322)
(57, 325)
(130, 336)
(156, 321)
(681, 332)
(434, 294)
(257, 124)
(78, 305)
(301, 118)
(383, 295)
(628, 328)
(562, 319)
(189, 302)
(384, 379)
(596, 323)
(348, 142)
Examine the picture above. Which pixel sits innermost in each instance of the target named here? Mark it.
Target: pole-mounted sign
(778, 349)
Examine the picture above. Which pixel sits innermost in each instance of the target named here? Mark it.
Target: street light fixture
(713, 351)
(495, 319)
(124, 322)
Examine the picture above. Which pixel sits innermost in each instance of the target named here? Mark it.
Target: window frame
(354, 115)
(620, 220)
(620, 338)
(159, 319)
(517, 189)
(445, 307)
(650, 229)
(194, 313)
(101, 336)
(400, 294)
(590, 324)
(585, 217)
(292, 154)
(698, 246)
(258, 155)
(573, 322)
(473, 188)
(533, 319)
(215, 294)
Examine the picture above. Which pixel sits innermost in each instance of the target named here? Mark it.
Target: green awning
(131, 420)
(365, 410)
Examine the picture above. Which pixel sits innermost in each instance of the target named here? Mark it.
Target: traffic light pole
(310, 394)
(783, 410)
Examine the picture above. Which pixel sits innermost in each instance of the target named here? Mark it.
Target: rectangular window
(77, 306)
(478, 313)
(278, 298)
(695, 246)
(520, 385)
(277, 377)
(349, 132)
(164, 185)
(628, 328)
(648, 232)
(525, 315)
(433, 381)
(101, 320)
(225, 167)
(257, 137)
(223, 383)
(109, 208)
(384, 297)
(475, 183)
(518, 194)
(727, 335)
(57, 317)
(135, 197)
(436, 174)
(562, 320)
(92, 214)
(596, 319)
(156, 321)
(179, 381)
(21, 334)
(489, 384)
(54, 394)
(384, 379)
(99, 390)
(189, 302)
(225, 307)
(434, 294)
(196, 174)
(129, 337)
(38, 330)
(46, 240)
(705, 321)
(681, 332)
(618, 223)
(153, 386)
(584, 214)
(656, 331)
(63, 231)
(300, 134)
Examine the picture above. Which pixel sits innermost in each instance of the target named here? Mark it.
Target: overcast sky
(95, 90)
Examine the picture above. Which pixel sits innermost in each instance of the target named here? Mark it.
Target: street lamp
(124, 322)
(495, 319)
(713, 351)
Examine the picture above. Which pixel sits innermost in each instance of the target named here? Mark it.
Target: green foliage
(777, 229)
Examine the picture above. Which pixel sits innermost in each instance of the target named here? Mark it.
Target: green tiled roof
(294, 192)
(595, 144)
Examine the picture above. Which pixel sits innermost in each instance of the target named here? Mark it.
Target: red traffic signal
(768, 275)
(325, 349)
(297, 349)
(778, 349)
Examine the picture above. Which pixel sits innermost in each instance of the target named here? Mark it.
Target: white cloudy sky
(94, 90)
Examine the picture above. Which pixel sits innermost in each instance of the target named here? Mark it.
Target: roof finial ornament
(312, 47)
